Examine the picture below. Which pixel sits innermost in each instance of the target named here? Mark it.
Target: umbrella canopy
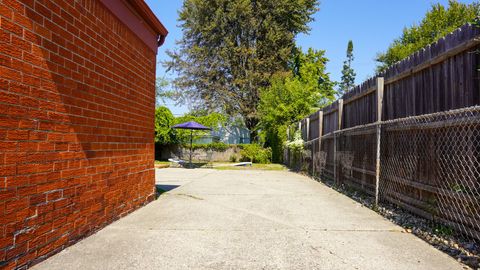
(191, 125)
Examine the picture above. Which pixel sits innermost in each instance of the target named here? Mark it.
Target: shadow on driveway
(160, 189)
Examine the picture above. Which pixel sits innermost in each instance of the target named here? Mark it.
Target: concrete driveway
(250, 220)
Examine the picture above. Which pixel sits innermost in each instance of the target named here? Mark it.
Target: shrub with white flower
(296, 145)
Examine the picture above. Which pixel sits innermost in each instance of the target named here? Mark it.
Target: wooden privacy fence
(410, 136)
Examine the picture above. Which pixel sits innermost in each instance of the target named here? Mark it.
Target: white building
(228, 135)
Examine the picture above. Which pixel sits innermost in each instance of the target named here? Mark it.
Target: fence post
(286, 156)
(307, 125)
(339, 127)
(320, 134)
(380, 86)
(307, 136)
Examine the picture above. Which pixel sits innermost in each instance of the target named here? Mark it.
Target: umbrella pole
(191, 138)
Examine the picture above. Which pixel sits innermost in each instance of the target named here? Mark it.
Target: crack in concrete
(183, 195)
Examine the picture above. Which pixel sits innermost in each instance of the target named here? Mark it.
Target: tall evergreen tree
(348, 74)
(230, 49)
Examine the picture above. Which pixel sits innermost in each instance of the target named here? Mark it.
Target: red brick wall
(76, 125)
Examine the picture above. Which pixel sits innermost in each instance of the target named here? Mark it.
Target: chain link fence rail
(356, 158)
(429, 164)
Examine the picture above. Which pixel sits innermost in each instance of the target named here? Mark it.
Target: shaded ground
(250, 219)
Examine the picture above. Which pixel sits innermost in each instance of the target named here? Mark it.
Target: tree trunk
(251, 124)
(253, 136)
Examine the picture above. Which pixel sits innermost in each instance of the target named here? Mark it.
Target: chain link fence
(428, 165)
(356, 158)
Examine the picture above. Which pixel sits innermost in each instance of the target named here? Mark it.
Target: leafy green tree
(348, 74)
(212, 120)
(437, 23)
(164, 120)
(230, 49)
(292, 96)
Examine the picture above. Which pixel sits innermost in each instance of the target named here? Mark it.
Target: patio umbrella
(192, 125)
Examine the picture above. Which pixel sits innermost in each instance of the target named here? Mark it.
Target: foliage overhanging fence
(410, 136)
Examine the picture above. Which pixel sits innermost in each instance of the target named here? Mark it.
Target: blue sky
(371, 24)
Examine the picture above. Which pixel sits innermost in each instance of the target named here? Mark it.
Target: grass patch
(161, 164)
(226, 166)
(158, 162)
(443, 230)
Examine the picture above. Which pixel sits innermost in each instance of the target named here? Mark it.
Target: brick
(17, 135)
(42, 31)
(3, 134)
(8, 146)
(21, 66)
(38, 199)
(6, 12)
(15, 157)
(43, 10)
(49, 187)
(74, 133)
(4, 84)
(36, 242)
(8, 98)
(37, 136)
(28, 146)
(38, 63)
(16, 251)
(52, 47)
(7, 195)
(52, 196)
(34, 16)
(10, 74)
(5, 242)
(28, 102)
(26, 191)
(15, 5)
(23, 21)
(16, 205)
(19, 88)
(17, 181)
(5, 61)
(6, 122)
(27, 124)
(46, 146)
(36, 157)
(21, 44)
(11, 27)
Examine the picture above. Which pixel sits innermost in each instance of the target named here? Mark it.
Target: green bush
(256, 154)
(233, 158)
(164, 120)
(215, 146)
